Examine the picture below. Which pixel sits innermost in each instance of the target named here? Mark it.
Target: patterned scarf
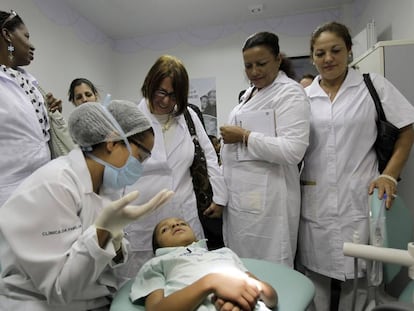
(29, 90)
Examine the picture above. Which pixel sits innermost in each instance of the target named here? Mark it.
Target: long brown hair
(168, 66)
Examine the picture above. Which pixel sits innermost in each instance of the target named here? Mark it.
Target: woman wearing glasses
(61, 241)
(165, 92)
(24, 123)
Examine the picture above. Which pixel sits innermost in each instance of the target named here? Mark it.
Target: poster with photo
(203, 94)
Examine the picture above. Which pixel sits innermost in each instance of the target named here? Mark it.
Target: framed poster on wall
(203, 94)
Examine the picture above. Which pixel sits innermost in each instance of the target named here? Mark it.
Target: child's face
(173, 232)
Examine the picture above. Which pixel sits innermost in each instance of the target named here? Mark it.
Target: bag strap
(190, 123)
(375, 97)
(198, 112)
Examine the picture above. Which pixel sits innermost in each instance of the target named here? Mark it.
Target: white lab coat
(171, 171)
(262, 217)
(23, 145)
(50, 257)
(339, 165)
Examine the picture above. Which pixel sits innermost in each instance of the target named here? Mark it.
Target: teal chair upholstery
(121, 300)
(295, 290)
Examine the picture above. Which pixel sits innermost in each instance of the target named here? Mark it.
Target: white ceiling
(123, 19)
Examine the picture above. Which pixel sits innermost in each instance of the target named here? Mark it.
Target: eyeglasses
(12, 15)
(146, 153)
(163, 94)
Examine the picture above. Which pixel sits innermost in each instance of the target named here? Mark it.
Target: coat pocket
(249, 192)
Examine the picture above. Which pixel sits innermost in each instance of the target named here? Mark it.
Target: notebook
(262, 121)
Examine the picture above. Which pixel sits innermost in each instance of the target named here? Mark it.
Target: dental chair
(397, 289)
(295, 291)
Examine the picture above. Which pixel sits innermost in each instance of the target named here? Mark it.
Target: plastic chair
(295, 290)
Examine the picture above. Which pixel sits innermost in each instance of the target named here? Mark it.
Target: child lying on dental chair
(184, 275)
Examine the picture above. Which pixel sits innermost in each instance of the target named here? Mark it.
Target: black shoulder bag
(387, 133)
(212, 227)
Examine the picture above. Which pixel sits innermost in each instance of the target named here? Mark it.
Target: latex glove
(118, 214)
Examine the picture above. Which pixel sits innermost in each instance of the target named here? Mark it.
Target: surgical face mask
(119, 177)
(114, 177)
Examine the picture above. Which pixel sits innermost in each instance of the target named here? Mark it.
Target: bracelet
(389, 177)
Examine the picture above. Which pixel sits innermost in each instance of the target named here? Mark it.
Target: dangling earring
(10, 48)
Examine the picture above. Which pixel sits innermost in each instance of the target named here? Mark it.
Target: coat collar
(281, 78)
(198, 244)
(353, 79)
(159, 148)
(78, 163)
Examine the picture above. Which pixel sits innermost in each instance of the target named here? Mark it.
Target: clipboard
(262, 121)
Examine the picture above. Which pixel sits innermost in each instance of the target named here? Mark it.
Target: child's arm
(267, 294)
(230, 288)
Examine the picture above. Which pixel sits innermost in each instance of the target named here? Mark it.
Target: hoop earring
(10, 48)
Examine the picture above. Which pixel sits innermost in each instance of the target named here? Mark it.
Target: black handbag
(212, 227)
(387, 133)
